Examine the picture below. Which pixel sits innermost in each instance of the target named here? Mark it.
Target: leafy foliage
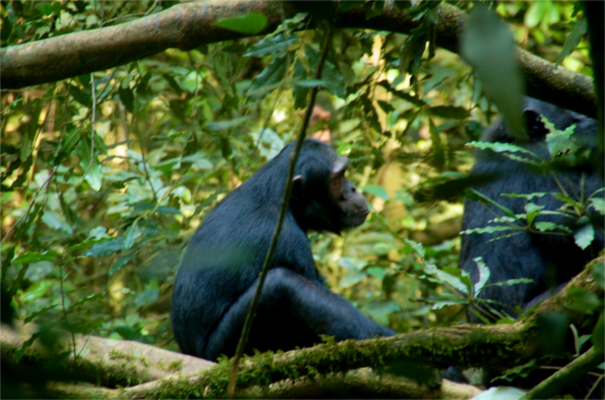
(106, 176)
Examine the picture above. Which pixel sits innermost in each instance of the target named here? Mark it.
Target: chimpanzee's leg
(293, 312)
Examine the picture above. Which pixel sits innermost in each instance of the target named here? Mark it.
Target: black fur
(218, 274)
(547, 259)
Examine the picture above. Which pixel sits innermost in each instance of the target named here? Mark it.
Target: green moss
(116, 355)
(174, 366)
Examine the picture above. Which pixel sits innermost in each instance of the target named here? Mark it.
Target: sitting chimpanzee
(549, 260)
(219, 272)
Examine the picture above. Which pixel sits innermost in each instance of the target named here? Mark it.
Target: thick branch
(184, 376)
(187, 26)
(359, 384)
(567, 375)
(462, 345)
(107, 360)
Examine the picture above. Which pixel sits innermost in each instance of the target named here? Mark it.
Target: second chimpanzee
(548, 259)
(219, 272)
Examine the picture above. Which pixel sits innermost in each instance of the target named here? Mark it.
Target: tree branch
(360, 383)
(171, 375)
(567, 375)
(113, 362)
(187, 26)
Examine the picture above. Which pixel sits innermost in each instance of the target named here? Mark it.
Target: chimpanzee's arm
(293, 311)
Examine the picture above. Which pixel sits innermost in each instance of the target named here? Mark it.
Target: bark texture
(187, 26)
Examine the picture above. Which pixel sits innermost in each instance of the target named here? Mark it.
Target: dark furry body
(548, 260)
(219, 272)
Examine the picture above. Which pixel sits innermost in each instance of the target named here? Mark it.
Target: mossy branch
(187, 26)
(567, 375)
(165, 374)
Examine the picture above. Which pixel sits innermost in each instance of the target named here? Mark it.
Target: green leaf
(534, 14)
(449, 112)
(521, 371)
(447, 278)
(350, 280)
(498, 147)
(376, 190)
(386, 106)
(80, 96)
(168, 211)
(352, 264)
(36, 314)
(484, 274)
(411, 53)
(598, 203)
(377, 272)
(68, 142)
(532, 210)
(56, 221)
(87, 299)
(31, 257)
(438, 305)
(334, 81)
(106, 248)
(485, 199)
(598, 273)
(598, 335)
(381, 310)
(453, 281)
(86, 243)
(583, 301)
(6, 29)
(148, 296)
(251, 24)
(547, 226)
(310, 83)
(131, 235)
(438, 157)
(417, 247)
(584, 236)
(273, 74)
(298, 92)
(127, 98)
(120, 263)
(173, 83)
(529, 196)
(511, 282)
(228, 124)
(94, 176)
(37, 290)
(402, 95)
(487, 44)
(272, 45)
(560, 142)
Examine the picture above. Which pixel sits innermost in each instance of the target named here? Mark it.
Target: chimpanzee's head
(322, 198)
(533, 110)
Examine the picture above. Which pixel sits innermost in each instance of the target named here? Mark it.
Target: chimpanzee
(219, 272)
(549, 260)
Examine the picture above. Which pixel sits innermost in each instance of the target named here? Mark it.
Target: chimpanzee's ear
(536, 129)
(340, 166)
(297, 183)
(335, 181)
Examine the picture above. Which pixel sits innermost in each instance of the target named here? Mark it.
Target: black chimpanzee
(219, 271)
(549, 260)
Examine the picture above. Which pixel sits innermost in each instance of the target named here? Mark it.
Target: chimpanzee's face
(322, 198)
(351, 204)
